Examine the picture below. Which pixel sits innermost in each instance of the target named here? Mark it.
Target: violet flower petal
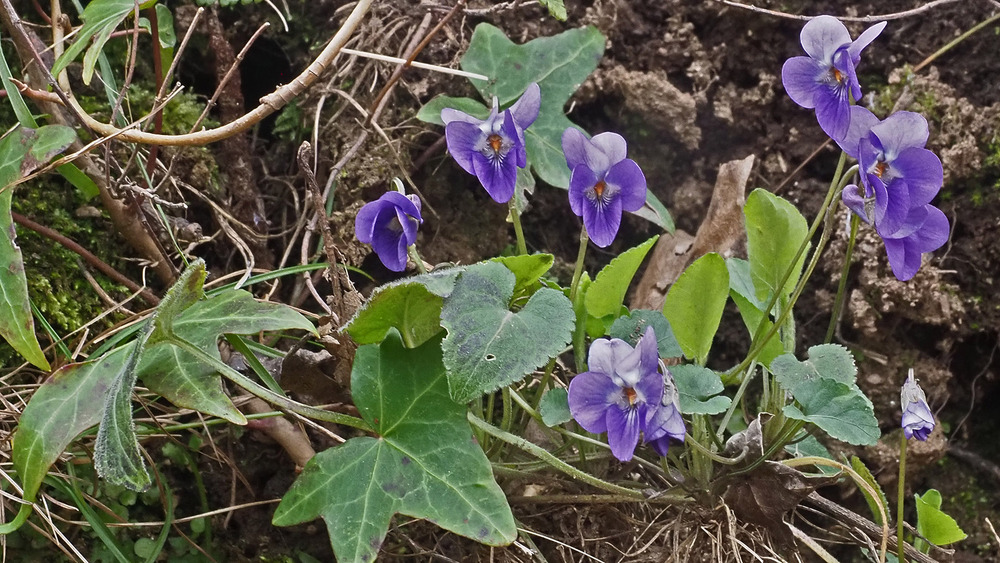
(862, 121)
(865, 39)
(918, 420)
(590, 395)
(628, 178)
(923, 173)
(612, 145)
(498, 177)
(462, 138)
(899, 131)
(525, 109)
(833, 112)
(623, 432)
(602, 221)
(581, 180)
(822, 36)
(803, 79)
(854, 199)
(573, 145)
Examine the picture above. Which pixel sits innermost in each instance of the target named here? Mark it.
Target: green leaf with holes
(424, 463)
(488, 345)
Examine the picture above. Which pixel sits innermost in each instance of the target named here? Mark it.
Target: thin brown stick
(94, 261)
(864, 19)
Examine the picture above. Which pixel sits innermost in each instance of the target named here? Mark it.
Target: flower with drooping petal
(603, 183)
(918, 421)
(620, 393)
(389, 224)
(827, 79)
(493, 150)
(666, 423)
(899, 180)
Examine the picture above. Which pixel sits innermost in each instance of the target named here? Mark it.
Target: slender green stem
(578, 270)
(266, 394)
(744, 383)
(552, 460)
(515, 217)
(415, 256)
(901, 495)
(838, 303)
(954, 42)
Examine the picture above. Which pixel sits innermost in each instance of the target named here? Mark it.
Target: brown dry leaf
(720, 232)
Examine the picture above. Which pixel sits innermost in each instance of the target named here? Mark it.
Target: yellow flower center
(631, 395)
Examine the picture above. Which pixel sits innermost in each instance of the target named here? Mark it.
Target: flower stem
(901, 495)
(415, 256)
(515, 217)
(578, 270)
(266, 394)
(552, 460)
(838, 303)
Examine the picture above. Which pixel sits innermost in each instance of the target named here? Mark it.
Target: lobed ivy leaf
(695, 303)
(840, 410)
(607, 292)
(632, 326)
(100, 19)
(559, 64)
(699, 389)
(775, 230)
(489, 346)
(22, 151)
(425, 462)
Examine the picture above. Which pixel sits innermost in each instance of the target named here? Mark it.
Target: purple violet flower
(493, 150)
(666, 424)
(603, 183)
(827, 79)
(918, 421)
(899, 179)
(389, 224)
(620, 393)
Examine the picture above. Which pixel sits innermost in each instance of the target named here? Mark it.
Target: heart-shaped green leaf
(933, 523)
(489, 346)
(420, 465)
(699, 389)
(826, 361)
(840, 410)
(554, 407)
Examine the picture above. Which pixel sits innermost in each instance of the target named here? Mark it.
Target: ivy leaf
(607, 292)
(185, 381)
(840, 410)
(66, 404)
(489, 346)
(431, 112)
(409, 307)
(22, 151)
(420, 465)
(100, 19)
(559, 64)
(695, 303)
(775, 230)
(699, 389)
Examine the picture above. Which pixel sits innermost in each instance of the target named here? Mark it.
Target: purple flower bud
(665, 423)
(918, 421)
(492, 150)
(603, 183)
(619, 393)
(827, 79)
(899, 179)
(389, 224)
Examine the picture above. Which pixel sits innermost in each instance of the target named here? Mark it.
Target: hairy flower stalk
(493, 149)
(827, 79)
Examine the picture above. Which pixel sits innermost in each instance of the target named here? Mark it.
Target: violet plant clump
(827, 79)
(918, 420)
(493, 149)
(604, 183)
(390, 224)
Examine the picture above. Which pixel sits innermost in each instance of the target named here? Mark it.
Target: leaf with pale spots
(419, 465)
